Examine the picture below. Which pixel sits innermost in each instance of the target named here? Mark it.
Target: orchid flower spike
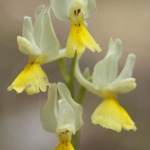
(76, 10)
(61, 116)
(40, 43)
(107, 83)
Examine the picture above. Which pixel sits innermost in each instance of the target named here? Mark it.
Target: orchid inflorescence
(62, 112)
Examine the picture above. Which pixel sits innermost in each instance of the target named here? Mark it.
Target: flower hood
(61, 115)
(39, 42)
(64, 9)
(105, 77)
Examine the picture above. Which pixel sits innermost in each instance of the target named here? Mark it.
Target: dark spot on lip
(32, 62)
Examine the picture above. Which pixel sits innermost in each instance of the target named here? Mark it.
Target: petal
(49, 42)
(61, 8)
(32, 79)
(111, 115)
(128, 68)
(48, 110)
(105, 72)
(39, 10)
(26, 47)
(62, 53)
(65, 117)
(37, 32)
(28, 29)
(123, 83)
(91, 7)
(115, 47)
(127, 122)
(123, 86)
(77, 108)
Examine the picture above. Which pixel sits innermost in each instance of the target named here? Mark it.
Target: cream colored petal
(62, 53)
(49, 42)
(77, 108)
(105, 72)
(48, 116)
(123, 86)
(61, 8)
(91, 8)
(115, 46)
(128, 68)
(123, 83)
(26, 47)
(28, 29)
(39, 10)
(65, 117)
(38, 25)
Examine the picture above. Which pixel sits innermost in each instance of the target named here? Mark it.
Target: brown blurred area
(20, 127)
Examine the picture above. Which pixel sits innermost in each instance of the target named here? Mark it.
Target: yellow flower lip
(65, 141)
(79, 38)
(111, 115)
(32, 79)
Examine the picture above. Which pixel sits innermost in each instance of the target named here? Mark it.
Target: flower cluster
(62, 112)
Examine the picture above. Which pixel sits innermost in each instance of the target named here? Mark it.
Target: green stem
(71, 79)
(63, 70)
(82, 91)
(81, 95)
(76, 140)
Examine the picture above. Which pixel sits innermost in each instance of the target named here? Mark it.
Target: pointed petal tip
(10, 88)
(27, 18)
(18, 90)
(99, 49)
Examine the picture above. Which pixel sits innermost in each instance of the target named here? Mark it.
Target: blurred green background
(20, 127)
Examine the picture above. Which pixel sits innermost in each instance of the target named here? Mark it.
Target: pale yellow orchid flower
(106, 83)
(76, 10)
(62, 116)
(40, 43)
